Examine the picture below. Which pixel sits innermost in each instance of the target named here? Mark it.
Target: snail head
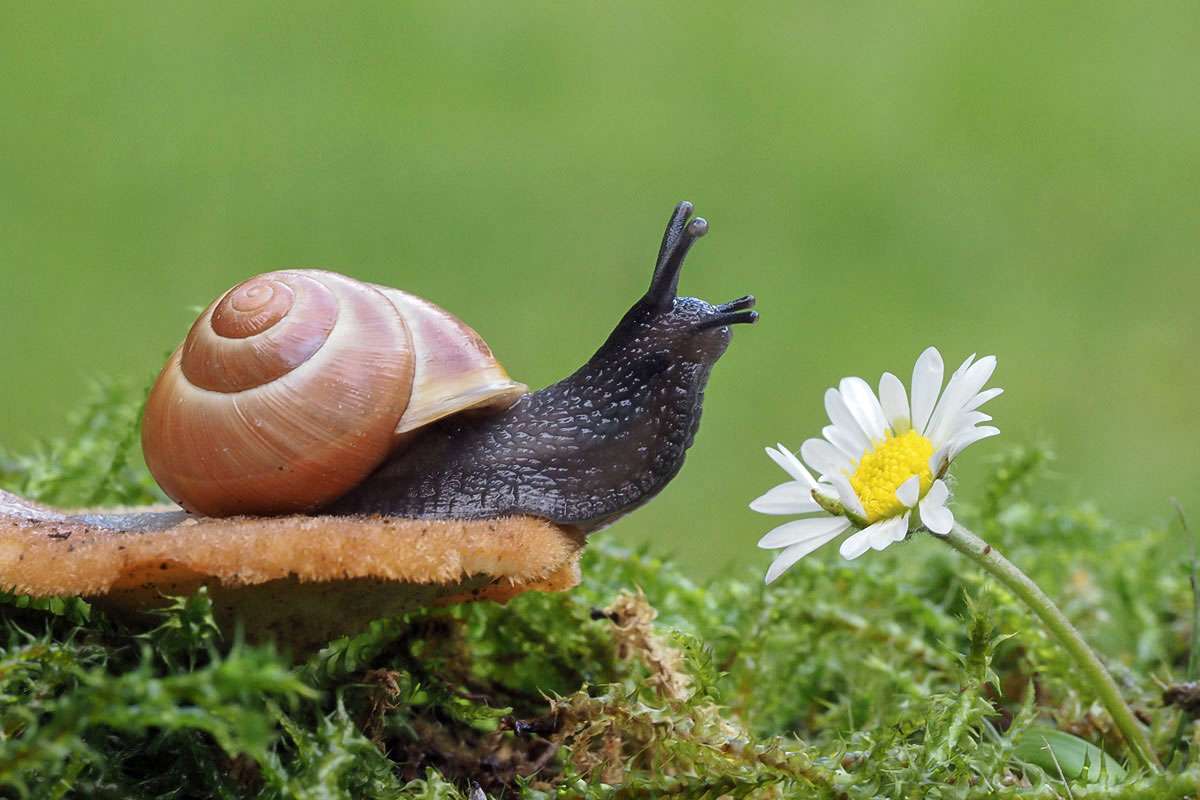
(686, 327)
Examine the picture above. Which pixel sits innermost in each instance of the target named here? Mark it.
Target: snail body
(307, 391)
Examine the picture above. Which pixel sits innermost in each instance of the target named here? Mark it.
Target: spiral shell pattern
(287, 392)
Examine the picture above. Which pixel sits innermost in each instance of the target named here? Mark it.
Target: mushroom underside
(298, 580)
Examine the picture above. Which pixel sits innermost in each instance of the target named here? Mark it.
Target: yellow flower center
(881, 472)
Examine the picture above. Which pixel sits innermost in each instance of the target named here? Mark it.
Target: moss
(905, 675)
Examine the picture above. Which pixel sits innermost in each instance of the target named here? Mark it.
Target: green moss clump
(903, 675)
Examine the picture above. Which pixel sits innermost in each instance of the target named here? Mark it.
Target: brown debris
(633, 622)
(383, 698)
(1184, 695)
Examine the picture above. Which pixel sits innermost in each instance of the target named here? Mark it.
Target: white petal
(888, 531)
(952, 396)
(938, 494)
(926, 384)
(983, 397)
(894, 401)
(824, 457)
(939, 460)
(969, 419)
(791, 555)
(793, 497)
(964, 423)
(791, 465)
(842, 441)
(934, 514)
(840, 416)
(857, 544)
(909, 492)
(963, 367)
(968, 438)
(864, 406)
(846, 494)
(938, 519)
(803, 530)
(961, 389)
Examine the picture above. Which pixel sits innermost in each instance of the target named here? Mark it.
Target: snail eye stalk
(741, 304)
(735, 312)
(731, 318)
(679, 237)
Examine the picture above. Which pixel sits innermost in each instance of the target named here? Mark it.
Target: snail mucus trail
(581, 452)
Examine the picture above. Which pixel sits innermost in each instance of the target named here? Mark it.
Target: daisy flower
(881, 462)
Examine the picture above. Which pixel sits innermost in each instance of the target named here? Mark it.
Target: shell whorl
(259, 331)
(286, 392)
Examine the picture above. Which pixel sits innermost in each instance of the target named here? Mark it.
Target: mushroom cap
(297, 580)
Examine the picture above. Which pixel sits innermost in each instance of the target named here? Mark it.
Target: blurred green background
(1020, 179)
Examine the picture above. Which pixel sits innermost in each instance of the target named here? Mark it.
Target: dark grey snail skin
(590, 448)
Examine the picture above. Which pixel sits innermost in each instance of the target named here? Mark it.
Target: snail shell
(295, 385)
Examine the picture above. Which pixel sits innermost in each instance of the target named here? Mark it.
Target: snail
(343, 451)
(307, 391)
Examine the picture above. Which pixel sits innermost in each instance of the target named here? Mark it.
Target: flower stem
(1061, 628)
